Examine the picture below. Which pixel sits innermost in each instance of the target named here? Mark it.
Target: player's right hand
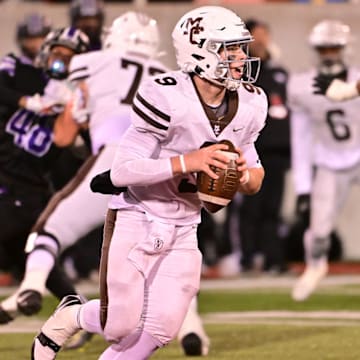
(202, 159)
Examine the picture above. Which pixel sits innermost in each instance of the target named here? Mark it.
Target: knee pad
(43, 240)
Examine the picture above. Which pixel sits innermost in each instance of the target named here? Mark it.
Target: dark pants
(18, 213)
(260, 217)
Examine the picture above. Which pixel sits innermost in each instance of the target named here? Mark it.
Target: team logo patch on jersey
(158, 244)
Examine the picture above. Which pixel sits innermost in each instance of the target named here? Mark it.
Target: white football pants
(329, 192)
(150, 271)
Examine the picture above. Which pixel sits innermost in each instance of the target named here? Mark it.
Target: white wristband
(182, 164)
(245, 178)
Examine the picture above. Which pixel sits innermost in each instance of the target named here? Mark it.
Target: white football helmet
(329, 33)
(134, 31)
(201, 33)
(334, 35)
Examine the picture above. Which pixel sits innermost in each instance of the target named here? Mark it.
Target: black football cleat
(5, 317)
(29, 302)
(192, 345)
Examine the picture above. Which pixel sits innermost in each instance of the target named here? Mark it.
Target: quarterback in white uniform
(326, 136)
(151, 264)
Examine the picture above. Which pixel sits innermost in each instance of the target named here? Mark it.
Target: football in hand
(217, 193)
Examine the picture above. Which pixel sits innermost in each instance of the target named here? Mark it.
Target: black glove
(321, 84)
(101, 183)
(303, 209)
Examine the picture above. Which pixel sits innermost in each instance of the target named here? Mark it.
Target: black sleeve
(8, 96)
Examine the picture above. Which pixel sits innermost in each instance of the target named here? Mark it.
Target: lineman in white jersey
(325, 136)
(150, 268)
(75, 210)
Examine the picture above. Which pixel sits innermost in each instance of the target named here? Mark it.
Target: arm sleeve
(79, 69)
(134, 162)
(137, 159)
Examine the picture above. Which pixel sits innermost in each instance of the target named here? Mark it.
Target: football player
(30, 34)
(325, 137)
(89, 17)
(151, 265)
(34, 131)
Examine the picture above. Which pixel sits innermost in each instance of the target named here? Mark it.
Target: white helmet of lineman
(329, 38)
(134, 31)
(329, 33)
(201, 33)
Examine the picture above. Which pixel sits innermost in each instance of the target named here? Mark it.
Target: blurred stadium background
(290, 23)
(326, 326)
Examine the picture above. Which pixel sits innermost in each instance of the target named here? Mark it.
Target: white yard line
(22, 325)
(285, 314)
(320, 318)
(323, 318)
(241, 282)
(268, 282)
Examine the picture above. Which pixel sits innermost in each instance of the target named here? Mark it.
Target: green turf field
(334, 335)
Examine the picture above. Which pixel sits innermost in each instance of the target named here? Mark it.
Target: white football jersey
(167, 111)
(112, 78)
(323, 132)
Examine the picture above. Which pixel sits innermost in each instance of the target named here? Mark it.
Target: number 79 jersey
(112, 78)
(326, 132)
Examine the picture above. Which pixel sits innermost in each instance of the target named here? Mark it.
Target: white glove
(57, 92)
(340, 90)
(35, 103)
(79, 111)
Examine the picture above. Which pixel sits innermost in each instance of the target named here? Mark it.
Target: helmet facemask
(331, 61)
(233, 56)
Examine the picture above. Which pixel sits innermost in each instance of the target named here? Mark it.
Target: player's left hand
(321, 84)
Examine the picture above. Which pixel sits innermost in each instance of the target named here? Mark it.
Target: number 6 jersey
(323, 133)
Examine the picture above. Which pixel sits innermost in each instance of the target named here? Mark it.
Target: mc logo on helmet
(193, 28)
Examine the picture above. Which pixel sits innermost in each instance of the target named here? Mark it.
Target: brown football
(216, 194)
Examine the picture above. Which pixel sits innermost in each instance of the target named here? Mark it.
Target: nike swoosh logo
(238, 129)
